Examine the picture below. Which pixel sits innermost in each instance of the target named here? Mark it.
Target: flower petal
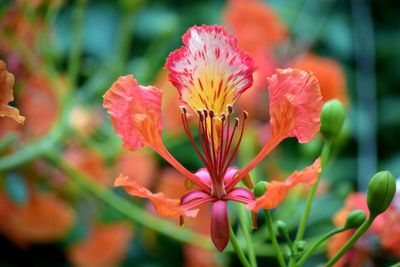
(210, 71)
(219, 225)
(295, 109)
(242, 195)
(276, 191)
(136, 117)
(164, 206)
(6, 95)
(135, 112)
(295, 105)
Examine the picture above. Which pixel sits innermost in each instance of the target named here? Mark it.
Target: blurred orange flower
(330, 75)
(6, 95)
(40, 104)
(44, 218)
(106, 245)
(89, 162)
(141, 165)
(255, 24)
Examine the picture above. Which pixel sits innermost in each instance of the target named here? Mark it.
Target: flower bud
(332, 118)
(381, 190)
(260, 188)
(355, 219)
(281, 226)
(300, 245)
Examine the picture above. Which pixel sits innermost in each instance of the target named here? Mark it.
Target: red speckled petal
(210, 71)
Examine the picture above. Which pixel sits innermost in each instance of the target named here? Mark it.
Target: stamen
(245, 115)
(230, 108)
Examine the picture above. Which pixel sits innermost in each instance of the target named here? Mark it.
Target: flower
(6, 93)
(43, 218)
(330, 76)
(210, 73)
(106, 245)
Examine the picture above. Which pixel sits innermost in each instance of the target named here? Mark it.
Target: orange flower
(255, 24)
(329, 74)
(89, 162)
(6, 95)
(40, 104)
(210, 73)
(142, 166)
(44, 218)
(105, 246)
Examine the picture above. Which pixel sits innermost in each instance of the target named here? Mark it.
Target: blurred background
(57, 203)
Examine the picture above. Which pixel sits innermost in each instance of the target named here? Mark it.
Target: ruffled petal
(164, 206)
(295, 105)
(135, 112)
(277, 191)
(6, 95)
(219, 225)
(295, 110)
(210, 71)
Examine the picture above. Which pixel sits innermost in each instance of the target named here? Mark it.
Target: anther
(205, 111)
(230, 108)
(223, 116)
(236, 121)
(201, 116)
(183, 109)
(211, 112)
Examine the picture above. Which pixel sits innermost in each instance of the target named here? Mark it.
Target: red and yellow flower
(210, 73)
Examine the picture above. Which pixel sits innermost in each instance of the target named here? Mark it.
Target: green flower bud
(300, 245)
(332, 118)
(355, 219)
(281, 226)
(260, 188)
(381, 190)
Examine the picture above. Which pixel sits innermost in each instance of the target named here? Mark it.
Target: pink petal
(219, 225)
(230, 173)
(194, 195)
(135, 112)
(204, 176)
(210, 71)
(277, 191)
(242, 195)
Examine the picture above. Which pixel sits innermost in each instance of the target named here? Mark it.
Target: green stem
(74, 57)
(364, 227)
(7, 141)
(311, 249)
(244, 223)
(237, 248)
(303, 222)
(137, 214)
(268, 221)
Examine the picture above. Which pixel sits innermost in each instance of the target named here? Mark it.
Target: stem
(268, 221)
(74, 56)
(237, 248)
(303, 222)
(137, 214)
(311, 249)
(7, 141)
(244, 223)
(364, 227)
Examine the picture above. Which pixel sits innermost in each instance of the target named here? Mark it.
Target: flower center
(216, 137)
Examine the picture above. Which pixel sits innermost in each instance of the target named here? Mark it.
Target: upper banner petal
(210, 71)
(277, 191)
(6, 95)
(164, 206)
